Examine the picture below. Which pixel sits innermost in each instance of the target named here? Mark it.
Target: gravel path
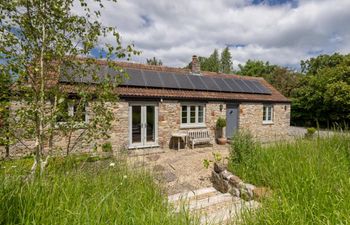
(181, 170)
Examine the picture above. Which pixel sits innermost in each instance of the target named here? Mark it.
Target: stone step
(225, 215)
(193, 195)
(202, 204)
(217, 206)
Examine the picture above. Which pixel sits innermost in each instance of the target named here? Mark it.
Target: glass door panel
(136, 124)
(150, 123)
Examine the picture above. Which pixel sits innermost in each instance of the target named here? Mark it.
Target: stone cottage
(157, 102)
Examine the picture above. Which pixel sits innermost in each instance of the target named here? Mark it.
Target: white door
(143, 125)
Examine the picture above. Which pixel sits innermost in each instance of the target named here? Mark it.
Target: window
(267, 114)
(72, 108)
(192, 115)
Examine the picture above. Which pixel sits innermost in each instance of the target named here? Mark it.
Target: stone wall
(169, 120)
(118, 135)
(251, 119)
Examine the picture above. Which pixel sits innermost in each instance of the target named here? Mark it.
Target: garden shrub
(242, 146)
(107, 147)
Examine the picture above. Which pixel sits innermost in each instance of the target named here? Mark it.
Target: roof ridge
(162, 68)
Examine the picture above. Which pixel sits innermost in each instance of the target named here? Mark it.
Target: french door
(143, 125)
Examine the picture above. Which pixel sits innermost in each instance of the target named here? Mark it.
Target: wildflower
(125, 176)
(13, 166)
(112, 164)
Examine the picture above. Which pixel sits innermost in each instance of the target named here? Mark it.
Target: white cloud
(175, 30)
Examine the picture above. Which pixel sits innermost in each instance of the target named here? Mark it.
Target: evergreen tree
(212, 63)
(226, 61)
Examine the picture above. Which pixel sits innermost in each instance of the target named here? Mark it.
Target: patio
(181, 170)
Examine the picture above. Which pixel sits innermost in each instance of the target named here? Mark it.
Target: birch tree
(41, 41)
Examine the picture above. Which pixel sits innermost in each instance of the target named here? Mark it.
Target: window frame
(188, 123)
(266, 113)
(70, 110)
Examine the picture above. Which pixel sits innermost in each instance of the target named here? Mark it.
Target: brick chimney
(196, 67)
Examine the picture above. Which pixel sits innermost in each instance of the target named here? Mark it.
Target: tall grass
(75, 192)
(310, 180)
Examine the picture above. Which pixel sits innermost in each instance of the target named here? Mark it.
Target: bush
(107, 147)
(310, 132)
(221, 122)
(242, 146)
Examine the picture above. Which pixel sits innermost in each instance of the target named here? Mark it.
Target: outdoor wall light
(221, 107)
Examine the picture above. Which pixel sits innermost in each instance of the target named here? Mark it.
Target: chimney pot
(196, 67)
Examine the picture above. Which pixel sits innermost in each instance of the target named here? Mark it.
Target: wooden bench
(198, 137)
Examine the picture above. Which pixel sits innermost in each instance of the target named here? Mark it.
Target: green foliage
(107, 147)
(314, 65)
(213, 63)
(256, 68)
(217, 158)
(310, 131)
(221, 122)
(242, 147)
(40, 41)
(5, 93)
(76, 191)
(309, 179)
(283, 79)
(226, 61)
(323, 95)
(154, 61)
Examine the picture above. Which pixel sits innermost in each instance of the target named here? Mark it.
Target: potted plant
(221, 124)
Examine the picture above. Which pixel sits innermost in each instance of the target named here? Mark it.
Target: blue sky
(280, 31)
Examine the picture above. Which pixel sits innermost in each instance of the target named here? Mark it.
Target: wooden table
(179, 136)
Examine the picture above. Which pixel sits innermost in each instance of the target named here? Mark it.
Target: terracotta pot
(222, 141)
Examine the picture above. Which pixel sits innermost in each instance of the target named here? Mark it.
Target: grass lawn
(310, 180)
(76, 191)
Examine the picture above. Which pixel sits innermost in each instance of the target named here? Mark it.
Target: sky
(280, 31)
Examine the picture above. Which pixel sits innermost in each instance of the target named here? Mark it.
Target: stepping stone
(212, 206)
(153, 157)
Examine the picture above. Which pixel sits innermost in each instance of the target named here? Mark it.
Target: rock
(153, 157)
(262, 192)
(244, 194)
(219, 167)
(225, 174)
(158, 168)
(234, 191)
(219, 183)
(169, 176)
(235, 181)
(249, 187)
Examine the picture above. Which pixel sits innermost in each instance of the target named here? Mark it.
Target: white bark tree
(42, 40)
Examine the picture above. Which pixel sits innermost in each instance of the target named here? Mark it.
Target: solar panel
(152, 78)
(257, 86)
(249, 86)
(263, 89)
(160, 79)
(184, 82)
(243, 86)
(168, 80)
(135, 78)
(252, 88)
(211, 84)
(197, 82)
(222, 84)
(234, 86)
